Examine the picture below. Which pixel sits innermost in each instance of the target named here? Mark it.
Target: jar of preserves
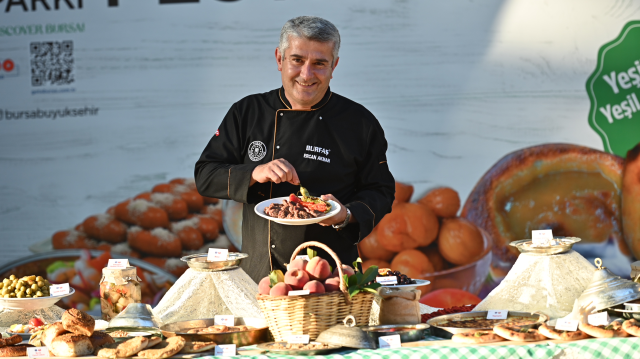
(118, 289)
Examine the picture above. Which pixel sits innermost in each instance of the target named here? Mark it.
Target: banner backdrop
(103, 99)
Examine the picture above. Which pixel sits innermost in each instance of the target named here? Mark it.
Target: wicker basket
(314, 313)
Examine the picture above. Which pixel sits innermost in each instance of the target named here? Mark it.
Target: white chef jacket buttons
(273, 246)
(321, 117)
(281, 113)
(278, 147)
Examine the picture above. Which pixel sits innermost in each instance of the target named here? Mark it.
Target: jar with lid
(118, 289)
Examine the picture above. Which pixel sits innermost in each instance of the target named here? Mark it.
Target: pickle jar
(118, 289)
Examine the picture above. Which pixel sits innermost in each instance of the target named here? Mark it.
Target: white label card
(298, 292)
(389, 341)
(225, 350)
(118, 263)
(298, 339)
(541, 236)
(497, 314)
(59, 289)
(228, 320)
(38, 352)
(305, 257)
(217, 254)
(567, 324)
(599, 319)
(387, 280)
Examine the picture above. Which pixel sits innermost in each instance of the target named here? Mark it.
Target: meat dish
(291, 210)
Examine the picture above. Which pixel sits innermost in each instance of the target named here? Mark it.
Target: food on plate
(481, 322)
(460, 241)
(119, 334)
(164, 349)
(99, 338)
(613, 330)
(157, 242)
(105, 227)
(403, 193)
(477, 337)
(408, 226)
(30, 286)
(294, 346)
(518, 333)
(443, 201)
(298, 208)
(631, 200)
(197, 347)
(449, 297)
(71, 239)
(445, 311)
(35, 325)
(524, 190)
(553, 333)
(12, 340)
(71, 345)
(632, 327)
(13, 351)
(78, 322)
(125, 349)
(310, 201)
(54, 330)
(400, 278)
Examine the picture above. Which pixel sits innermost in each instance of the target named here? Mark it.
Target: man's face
(306, 70)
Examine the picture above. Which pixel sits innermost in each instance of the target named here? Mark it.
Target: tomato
(36, 322)
(294, 199)
(317, 206)
(449, 297)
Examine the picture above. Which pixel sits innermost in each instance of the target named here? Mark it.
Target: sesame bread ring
(632, 327)
(99, 339)
(13, 351)
(12, 340)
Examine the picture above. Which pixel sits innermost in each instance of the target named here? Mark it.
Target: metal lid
(347, 335)
(607, 289)
(138, 315)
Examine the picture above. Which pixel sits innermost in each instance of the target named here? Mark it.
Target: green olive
(39, 294)
(5, 291)
(20, 295)
(20, 285)
(40, 283)
(12, 295)
(12, 277)
(28, 295)
(6, 281)
(39, 278)
(7, 296)
(34, 286)
(29, 291)
(30, 281)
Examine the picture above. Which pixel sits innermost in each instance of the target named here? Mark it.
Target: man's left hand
(338, 218)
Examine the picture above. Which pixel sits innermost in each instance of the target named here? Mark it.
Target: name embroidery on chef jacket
(316, 149)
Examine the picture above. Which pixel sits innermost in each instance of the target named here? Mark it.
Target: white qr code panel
(51, 63)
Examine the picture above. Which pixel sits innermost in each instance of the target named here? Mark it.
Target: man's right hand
(276, 171)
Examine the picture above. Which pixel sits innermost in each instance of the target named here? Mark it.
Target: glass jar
(118, 289)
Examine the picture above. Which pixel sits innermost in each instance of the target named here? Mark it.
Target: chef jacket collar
(321, 103)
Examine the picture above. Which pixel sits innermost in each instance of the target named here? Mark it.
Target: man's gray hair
(310, 28)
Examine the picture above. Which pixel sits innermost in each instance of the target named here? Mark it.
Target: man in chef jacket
(302, 133)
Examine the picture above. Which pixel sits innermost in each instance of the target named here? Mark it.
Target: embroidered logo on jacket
(257, 150)
(317, 157)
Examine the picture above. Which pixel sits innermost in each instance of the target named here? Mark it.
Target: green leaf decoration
(355, 263)
(370, 290)
(370, 274)
(311, 253)
(374, 286)
(353, 291)
(345, 279)
(275, 277)
(330, 268)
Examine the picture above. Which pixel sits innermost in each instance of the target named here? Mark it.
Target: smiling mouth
(305, 85)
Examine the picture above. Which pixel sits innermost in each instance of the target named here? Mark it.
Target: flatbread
(477, 337)
(197, 347)
(519, 333)
(165, 349)
(126, 349)
(12, 351)
(12, 340)
(632, 327)
(552, 333)
(613, 330)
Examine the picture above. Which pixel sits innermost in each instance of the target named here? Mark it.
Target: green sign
(614, 91)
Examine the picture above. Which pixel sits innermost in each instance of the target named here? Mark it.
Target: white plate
(419, 282)
(259, 209)
(32, 303)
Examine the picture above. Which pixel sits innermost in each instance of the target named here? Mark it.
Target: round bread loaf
(71, 345)
(14, 351)
(78, 322)
(99, 339)
(52, 331)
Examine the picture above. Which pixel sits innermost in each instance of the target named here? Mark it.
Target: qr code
(51, 63)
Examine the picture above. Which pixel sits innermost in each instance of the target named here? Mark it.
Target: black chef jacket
(337, 147)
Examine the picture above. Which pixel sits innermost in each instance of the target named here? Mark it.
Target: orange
(370, 249)
(408, 226)
(432, 252)
(403, 193)
(449, 297)
(443, 201)
(460, 241)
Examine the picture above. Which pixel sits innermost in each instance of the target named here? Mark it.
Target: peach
(314, 287)
(265, 286)
(345, 270)
(318, 268)
(280, 289)
(332, 284)
(298, 263)
(296, 278)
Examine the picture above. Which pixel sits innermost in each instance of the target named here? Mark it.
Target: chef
(302, 133)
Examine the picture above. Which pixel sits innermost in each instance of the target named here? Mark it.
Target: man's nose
(306, 72)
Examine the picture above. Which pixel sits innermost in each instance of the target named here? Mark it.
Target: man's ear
(335, 64)
(279, 58)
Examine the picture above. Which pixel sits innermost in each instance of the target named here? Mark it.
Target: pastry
(14, 339)
(518, 333)
(157, 242)
(99, 339)
(126, 349)
(52, 331)
(153, 341)
(14, 351)
(612, 330)
(552, 333)
(477, 337)
(631, 200)
(71, 345)
(78, 322)
(632, 327)
(197, 347)
(215, 329)
(165, 349)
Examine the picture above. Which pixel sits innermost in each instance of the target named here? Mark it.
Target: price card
(298, 292)
(497, 314)
(228, 320)
(59, 289)
(387, 280)
(599, 319)
(305, 257)
(298, 339)
(225, 350)
(217, 254)
(389, 341)
(38, 352)
(541, 237)
(118, 263)
(567, 324)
